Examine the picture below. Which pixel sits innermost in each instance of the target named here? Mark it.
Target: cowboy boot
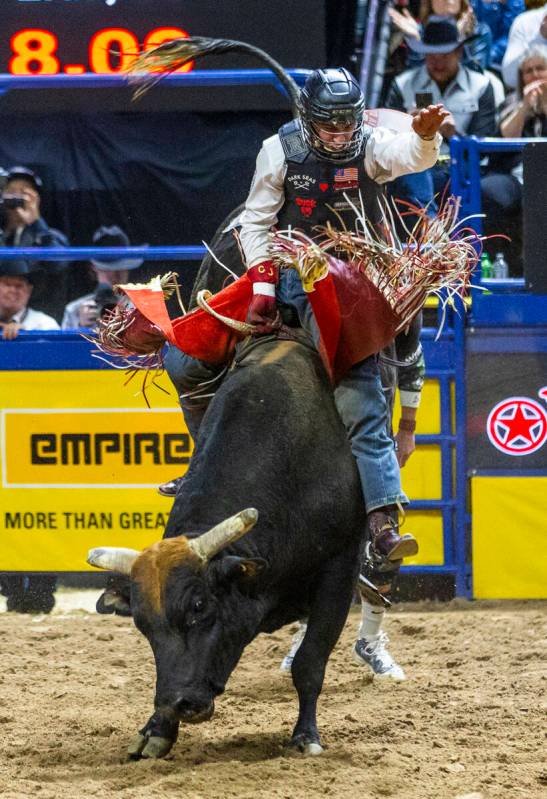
(386, 542)
(170, 488)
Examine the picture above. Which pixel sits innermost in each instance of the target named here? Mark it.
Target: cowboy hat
(439, 35)
(114, 236)
(20, 268)
(24, 173)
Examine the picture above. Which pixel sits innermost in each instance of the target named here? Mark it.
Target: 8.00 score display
(111, 51)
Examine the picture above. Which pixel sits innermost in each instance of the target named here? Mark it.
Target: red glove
(263, 313)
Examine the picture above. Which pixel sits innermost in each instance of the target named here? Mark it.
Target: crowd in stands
(84, 311)
(485, 60)
(47, 282)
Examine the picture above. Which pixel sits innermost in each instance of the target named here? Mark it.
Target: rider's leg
(361, 403)
(371, 645)
(195, 383)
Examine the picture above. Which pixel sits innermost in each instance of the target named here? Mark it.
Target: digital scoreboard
(72, 37)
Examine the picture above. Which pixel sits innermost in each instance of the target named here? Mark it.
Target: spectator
(25, 227)
(527, 30)
(84, 311)
(526, 110)
(499, 16)
(25, 593)
(465, 93)
(476, 34)
(524, 116)
(16, 285)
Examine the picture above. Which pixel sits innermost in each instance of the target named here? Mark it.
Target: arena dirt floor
(469, 721)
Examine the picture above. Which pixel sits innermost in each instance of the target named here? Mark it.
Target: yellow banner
(99, 447)
(509, 541)
(81, 459)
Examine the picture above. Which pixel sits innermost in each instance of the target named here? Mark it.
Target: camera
(423, 99)
(11, 201)
(105, 299)
(101, 303)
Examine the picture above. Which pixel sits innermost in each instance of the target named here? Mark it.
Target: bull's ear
(111, 601)
(116, 598)
(244, 571)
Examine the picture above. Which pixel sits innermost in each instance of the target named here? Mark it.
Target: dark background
(165, 178)
(169, 168)
(276, 26)
(509, 374)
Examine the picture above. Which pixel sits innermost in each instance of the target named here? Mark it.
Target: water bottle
(486, 266)
(500, 267)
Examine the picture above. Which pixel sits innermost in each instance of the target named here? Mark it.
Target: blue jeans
(361, 403)
(195, 382)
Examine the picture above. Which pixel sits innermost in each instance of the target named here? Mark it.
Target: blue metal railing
(445, 358)
(466, 153)
(506, 303)
(204, 77)
(191, 253)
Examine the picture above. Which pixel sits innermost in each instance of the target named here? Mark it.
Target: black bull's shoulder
(225, 247)
(271, 439)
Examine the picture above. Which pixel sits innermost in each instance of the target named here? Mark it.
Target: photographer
(84, 311)
(22, 225)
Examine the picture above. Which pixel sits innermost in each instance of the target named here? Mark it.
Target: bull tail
(174, 54)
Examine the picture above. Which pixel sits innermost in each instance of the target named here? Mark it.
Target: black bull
(271, 439)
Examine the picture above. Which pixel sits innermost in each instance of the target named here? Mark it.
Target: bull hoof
(157, 747)
(136, 746)
(304, 746)
(149, 747)
(312, 750)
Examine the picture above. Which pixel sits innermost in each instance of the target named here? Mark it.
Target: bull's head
(187, 603)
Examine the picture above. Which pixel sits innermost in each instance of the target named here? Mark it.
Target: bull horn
(208, 544)
(116, 559)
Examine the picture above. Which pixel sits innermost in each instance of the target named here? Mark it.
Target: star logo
(517, 426)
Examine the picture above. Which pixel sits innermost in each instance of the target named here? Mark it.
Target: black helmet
(333, 97)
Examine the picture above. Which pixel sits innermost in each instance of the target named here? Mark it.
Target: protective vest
(313, 187)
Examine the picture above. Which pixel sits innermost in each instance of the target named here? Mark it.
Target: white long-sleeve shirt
(387, 156)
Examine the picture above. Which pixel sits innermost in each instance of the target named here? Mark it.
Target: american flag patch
(347, 175)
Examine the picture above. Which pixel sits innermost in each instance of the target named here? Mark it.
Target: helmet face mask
(332, 105)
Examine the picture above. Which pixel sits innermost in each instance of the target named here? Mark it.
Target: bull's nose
(192, 711)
